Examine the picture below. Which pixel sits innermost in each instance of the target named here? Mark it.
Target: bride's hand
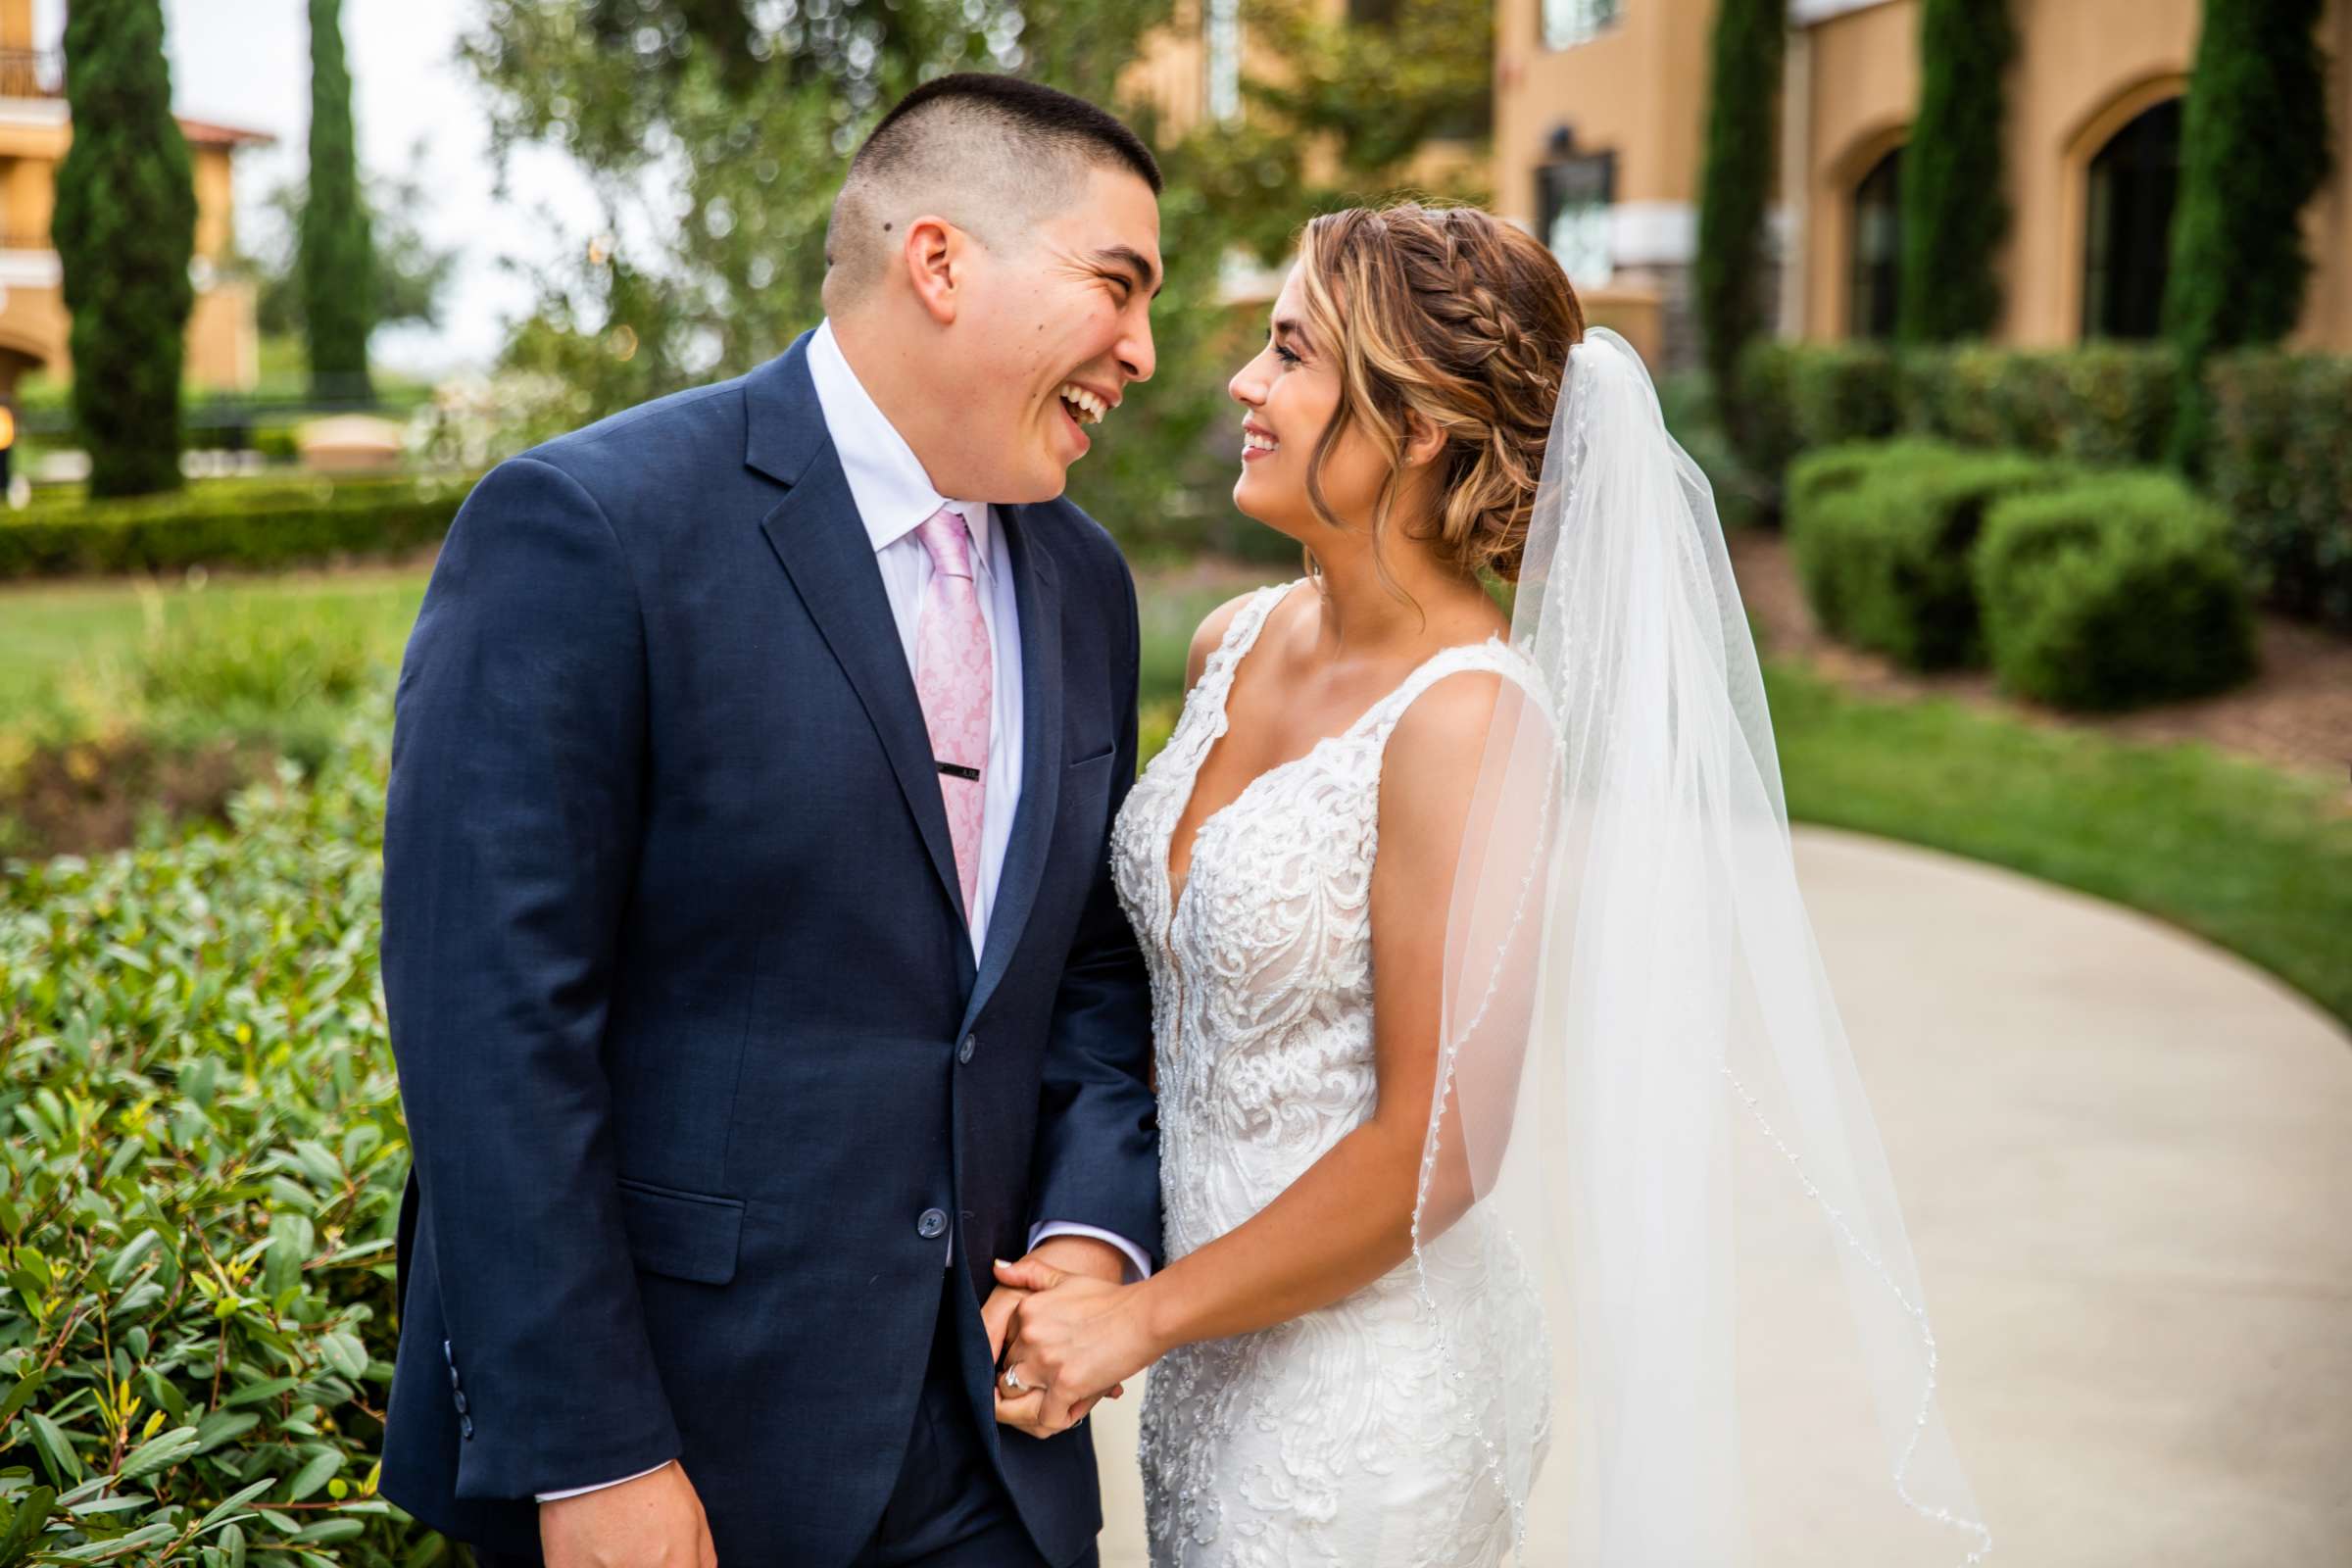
(1072, 1342)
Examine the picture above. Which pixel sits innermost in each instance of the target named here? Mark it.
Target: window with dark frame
(1566, 24)
(1876, 265)
(2127, 250)
(1573, 198)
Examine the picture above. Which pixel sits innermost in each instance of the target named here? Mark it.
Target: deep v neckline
(1221, 722)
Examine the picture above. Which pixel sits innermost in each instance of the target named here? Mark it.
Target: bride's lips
(1251, 454)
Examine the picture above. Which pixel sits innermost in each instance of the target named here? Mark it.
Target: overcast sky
(247, 63)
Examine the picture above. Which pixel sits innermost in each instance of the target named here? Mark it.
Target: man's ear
(933, 256)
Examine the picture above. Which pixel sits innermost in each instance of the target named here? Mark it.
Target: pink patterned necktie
(954, 680)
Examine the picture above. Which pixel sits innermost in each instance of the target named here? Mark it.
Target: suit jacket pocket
(687, 1235)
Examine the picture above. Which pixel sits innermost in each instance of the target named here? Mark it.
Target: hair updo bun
(1457, 317)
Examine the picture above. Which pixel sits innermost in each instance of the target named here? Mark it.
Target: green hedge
(1882, 542)
(2282, 465)
(2114, 590)
(1801, 396)
(229, 523)
(2105, 405)
(198, 1191)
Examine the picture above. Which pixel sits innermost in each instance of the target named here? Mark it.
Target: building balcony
(32, 73)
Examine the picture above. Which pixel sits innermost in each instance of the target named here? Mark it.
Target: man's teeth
(1088, 408)
(1251, 441)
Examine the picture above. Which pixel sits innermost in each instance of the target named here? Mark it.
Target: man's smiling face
(1050, 328)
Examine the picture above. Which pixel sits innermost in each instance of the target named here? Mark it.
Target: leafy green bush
(1883, 556)
(1806, 395)
(202, 1176)
(1825, 471)
(2114, 590)
(247, 523)
(2103, 404)
(2281, 465)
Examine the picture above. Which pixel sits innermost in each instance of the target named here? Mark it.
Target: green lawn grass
(2253, 858)
(48, 632)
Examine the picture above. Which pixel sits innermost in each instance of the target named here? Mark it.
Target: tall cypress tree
(2254, 150)
(338, 256)
(1955, 198)
(1735, 180)
(124, 225)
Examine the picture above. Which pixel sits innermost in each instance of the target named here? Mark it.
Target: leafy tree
(2254, 150)
(717, 177)
(337, 259)
(1734, 180)
(124, 227)
(1955, 210)
(411, 273)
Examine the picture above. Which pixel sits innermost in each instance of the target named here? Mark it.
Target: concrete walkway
(2125, 1158)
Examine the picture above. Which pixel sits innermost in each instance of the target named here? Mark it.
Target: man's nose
(1135, 356)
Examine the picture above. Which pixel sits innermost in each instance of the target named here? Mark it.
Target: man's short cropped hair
(991, 154)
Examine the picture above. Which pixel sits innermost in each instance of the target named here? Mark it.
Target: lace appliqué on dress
(1354, 1436)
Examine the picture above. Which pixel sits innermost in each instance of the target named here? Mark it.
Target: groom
(753, 968)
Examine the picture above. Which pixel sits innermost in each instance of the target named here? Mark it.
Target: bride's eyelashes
(1285, 356)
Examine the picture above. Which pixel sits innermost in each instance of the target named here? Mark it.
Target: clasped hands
(1066, 1332)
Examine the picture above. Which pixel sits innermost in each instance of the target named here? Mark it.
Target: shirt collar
(887, 483)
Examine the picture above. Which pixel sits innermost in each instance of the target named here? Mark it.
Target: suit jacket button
(459, 1396)
(963, 1052)
(466, 1426)
(453, 1377)
(932, 1226)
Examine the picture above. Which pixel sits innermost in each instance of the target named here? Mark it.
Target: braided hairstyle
(1451, 314)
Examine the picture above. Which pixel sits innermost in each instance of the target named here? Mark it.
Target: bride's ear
(1423, 440)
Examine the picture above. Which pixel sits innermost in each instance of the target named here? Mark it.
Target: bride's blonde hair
(1451, 314)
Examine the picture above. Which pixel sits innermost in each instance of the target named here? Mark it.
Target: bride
(1503, 1108)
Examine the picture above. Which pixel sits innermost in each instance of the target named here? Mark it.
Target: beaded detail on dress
(1358, 1434)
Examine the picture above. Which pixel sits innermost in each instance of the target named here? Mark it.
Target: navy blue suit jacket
(699, 1072)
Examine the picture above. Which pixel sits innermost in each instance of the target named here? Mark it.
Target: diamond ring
(1012, 1381)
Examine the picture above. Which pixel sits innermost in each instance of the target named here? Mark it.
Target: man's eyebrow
(1133, 260)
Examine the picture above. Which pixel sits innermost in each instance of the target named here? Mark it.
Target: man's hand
(1074, 1338)
(1065, 1254)
(655, 1521)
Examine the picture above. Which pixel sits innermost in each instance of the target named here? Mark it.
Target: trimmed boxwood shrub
(2104, 405)
(260, 523)
(2280, 465)
(1883, 556)
(1806, 395)
(2114, 590)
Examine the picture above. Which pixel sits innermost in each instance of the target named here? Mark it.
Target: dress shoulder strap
(1240, 633)
(1494, 655)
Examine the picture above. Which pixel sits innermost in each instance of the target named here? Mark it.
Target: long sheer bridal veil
(1648, 1123)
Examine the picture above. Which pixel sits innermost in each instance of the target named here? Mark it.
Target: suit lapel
(1038, 595)
(815, 533)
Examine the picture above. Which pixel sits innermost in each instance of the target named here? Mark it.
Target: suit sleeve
(511, 842)
(1097, 1143)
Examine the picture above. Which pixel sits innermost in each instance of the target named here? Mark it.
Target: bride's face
(1289, 394)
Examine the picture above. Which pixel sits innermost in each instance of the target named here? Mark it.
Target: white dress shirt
(894, 495)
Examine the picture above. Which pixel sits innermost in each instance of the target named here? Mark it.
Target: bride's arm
(1348, 1219)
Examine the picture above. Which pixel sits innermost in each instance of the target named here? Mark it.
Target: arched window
(1878, 249)
(2127, 249)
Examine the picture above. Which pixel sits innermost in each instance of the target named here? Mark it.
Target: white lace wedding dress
(1345, 1437)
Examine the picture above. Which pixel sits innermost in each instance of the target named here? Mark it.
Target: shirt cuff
(1138, 1267)
(576, 1492)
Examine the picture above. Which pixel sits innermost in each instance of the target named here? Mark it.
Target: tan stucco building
(34, 133)
(1601, 110)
